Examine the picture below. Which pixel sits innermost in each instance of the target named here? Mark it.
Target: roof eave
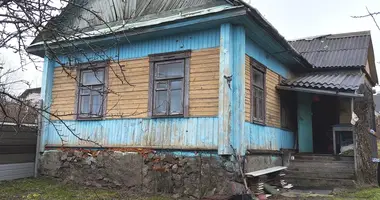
(372, 62)
(351, 94)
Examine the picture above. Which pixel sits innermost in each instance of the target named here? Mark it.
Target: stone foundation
(179, 174)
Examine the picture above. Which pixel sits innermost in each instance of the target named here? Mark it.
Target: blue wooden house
(207, 75)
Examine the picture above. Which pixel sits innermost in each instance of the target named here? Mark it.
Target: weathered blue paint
(187, 153)
(238, 90)
(268, 138)
(46, 96)
(170, 133)
(256, 52)
(231, 89)
(137, 49)
(225, 92)
(305, 130)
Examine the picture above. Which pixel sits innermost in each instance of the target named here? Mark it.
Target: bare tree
(371, 15)
(49, 23)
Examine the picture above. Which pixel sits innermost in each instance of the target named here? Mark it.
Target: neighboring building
(31, 94)
(209, 76)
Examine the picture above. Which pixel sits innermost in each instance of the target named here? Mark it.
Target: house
(31, 94)
(189, 84)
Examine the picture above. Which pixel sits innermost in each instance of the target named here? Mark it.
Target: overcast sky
(292, 18)
(302, 18)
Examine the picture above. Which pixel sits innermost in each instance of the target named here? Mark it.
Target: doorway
(325, 111)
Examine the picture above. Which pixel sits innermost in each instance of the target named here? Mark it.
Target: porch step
(320, 183)
(307, 165)
(323, 174)
(321, 171)
(323, 157)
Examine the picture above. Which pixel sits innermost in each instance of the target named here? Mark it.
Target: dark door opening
(325, 111)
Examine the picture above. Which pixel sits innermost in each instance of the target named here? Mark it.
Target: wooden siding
(128, 100)
(247, 88)
(63, 94)
(131, 100)
(204, 83)
(273, 106)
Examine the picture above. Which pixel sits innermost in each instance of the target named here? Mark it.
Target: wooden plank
(266, 171)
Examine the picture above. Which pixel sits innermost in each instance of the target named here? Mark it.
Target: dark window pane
(176, 101)
(170, 69)
(96, 104)
(258, 78)
(85, 105)
(161, 102)
(258, 104)
(254, 107)
(260, 109)
(91, 77)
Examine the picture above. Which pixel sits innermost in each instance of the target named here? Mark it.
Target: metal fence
(17, 151)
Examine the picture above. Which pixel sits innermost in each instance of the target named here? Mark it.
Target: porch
(329, 105)
(335, 126)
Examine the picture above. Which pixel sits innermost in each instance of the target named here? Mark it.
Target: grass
(368, 193)
(47, 189)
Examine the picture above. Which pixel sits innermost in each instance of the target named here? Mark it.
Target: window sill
(258, 123)
(167, 116)
(90, 118)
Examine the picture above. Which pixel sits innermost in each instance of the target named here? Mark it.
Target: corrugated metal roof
(332, 80)
(339, 50)
(131, 10)
(83, 16)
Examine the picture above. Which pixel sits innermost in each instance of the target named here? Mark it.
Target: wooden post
(334, 140)
(354, 139)
(38, 143)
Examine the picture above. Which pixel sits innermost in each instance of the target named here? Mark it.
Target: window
(169, 80)
(91, 92)
(257, 92)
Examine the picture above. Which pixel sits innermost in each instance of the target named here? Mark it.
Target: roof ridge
(332, 50)
(334, 36)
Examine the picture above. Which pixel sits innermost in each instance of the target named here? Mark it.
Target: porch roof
(336, 81)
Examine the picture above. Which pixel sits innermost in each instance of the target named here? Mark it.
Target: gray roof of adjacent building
(345, 50)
